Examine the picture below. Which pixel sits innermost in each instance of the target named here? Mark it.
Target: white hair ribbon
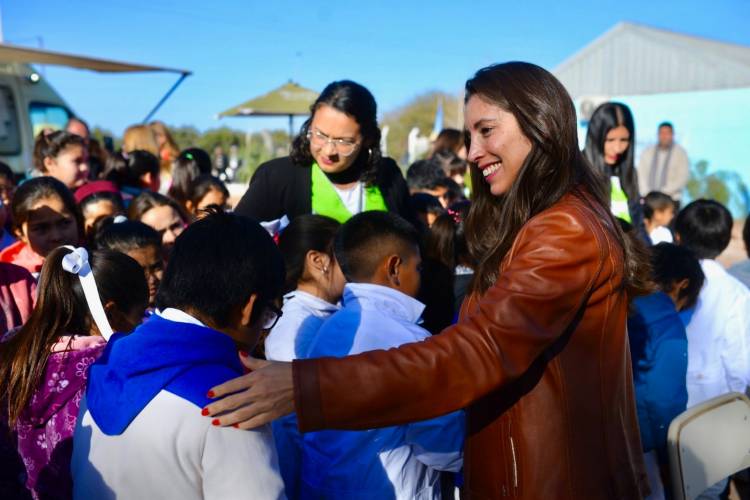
(77, 262)
(119, 219)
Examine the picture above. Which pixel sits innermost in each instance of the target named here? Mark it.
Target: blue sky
(240, 49)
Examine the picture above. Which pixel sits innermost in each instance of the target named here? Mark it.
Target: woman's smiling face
(498, 146)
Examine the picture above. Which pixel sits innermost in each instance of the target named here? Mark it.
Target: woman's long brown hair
(554, 167)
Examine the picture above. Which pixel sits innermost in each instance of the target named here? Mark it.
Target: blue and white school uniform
(400, 462)
(140, 433)
(303, 314)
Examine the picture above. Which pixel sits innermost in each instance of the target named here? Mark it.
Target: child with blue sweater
(140, 433)
(379, 255)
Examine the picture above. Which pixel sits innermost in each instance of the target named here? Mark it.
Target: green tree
(185, 136)
(257, 151)
(419, 112)
(724, 186)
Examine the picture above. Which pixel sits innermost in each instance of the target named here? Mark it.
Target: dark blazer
(279, 187)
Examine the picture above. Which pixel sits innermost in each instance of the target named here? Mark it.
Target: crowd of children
(145, 244)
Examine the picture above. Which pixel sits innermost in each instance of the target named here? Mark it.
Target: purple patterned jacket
(44, 430)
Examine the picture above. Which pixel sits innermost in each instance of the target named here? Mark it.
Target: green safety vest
(326, 201)
(619, 201)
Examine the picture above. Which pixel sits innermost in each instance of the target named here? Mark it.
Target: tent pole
(291, 131)
(164, 99)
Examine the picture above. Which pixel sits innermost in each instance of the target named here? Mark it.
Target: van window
(45, 115)
(10, 140)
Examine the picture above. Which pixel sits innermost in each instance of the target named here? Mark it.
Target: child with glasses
(141, 433)
(379, 255)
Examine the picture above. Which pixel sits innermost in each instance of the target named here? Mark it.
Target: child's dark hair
(424, 203)
(50, 145)
(37, 189)
(148, 200)
(61, 308)
(188, 166)
(303, 234)
(114, 198)
(126, 236)
(705, 227)
(672, 264)
(217, 263)
(367, 238)
(202, 185)
(424, 174)
(654, 201)
(450, 162)
(746, 234)
(446, 241)
(7, 172)
(127, 171)
(453, 192)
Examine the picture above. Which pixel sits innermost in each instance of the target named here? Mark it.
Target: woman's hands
(257, 398)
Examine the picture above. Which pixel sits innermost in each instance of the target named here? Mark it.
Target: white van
(28, 103)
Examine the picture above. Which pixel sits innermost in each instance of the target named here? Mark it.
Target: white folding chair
(708, 443)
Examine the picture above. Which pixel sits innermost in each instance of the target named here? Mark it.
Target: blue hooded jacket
(181, 358)
(658, 350)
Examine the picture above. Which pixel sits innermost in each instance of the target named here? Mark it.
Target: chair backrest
(708, 443)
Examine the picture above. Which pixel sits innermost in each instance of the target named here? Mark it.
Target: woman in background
(610, 141)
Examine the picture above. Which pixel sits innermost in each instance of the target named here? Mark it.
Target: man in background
(664, 166)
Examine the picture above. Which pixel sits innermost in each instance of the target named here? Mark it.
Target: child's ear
(48, 162)
(247, 310)
(393, 264)
(682, 284)
(318, 261)
(189, 206)
(18, 233)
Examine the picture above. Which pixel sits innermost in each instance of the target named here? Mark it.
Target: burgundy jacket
(540, 361)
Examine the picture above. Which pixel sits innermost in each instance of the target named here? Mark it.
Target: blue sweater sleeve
(666, 393)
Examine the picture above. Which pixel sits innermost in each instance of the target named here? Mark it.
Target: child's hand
(263, 395)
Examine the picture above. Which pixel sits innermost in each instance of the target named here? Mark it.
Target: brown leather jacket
(540, 361)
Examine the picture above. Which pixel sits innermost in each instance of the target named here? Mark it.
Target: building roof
(632, 59)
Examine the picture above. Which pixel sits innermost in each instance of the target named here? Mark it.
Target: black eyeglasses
(271, 315)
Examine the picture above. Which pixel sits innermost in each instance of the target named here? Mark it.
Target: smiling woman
(539, 357)
(335, 167)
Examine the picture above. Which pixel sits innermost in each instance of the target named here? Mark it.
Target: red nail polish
(204, 412)
(244, 354)
(210, 394)
(236, 426)
(215, 422)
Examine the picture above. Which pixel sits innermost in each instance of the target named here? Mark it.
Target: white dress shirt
(718, 337)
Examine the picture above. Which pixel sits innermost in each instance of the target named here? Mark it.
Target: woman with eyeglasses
(335, 167)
